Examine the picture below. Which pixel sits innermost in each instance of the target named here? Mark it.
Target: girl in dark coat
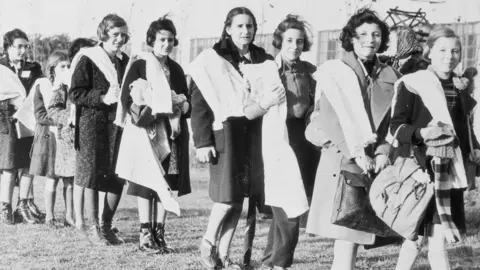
(171, 154)
(14, 151)
(63, 102)
(46, 144)
(419, 98)
(229, 141)
(95, 90)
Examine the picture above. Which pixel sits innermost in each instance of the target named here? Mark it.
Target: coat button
(46, 135)
(334, 175)
(349, 181)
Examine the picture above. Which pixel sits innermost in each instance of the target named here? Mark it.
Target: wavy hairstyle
(364, 15)
(10, 37)
(108, 22)
(292, 22)
(163, 23)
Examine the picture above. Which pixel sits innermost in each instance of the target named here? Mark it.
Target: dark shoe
(159, 238)
(23, 214)
(51, 223)
(112, 238)
(35, 211)
(146, 243)
(208, 254)
(69, 222)
(96, 237)
(6, 216)
(228, 264)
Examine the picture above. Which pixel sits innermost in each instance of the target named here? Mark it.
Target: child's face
(292, 44)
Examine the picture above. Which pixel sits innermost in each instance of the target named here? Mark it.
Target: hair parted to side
(10, 37)
(108, 22)
(292, 22)
(231, 14)
(79, 43)
(437, 33)
(163, 23)
(53, 59)
(364, 15)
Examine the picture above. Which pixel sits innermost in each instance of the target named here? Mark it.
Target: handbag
(351, 206)
(400, 200)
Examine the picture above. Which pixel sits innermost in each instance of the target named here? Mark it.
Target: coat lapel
(351, 60)
(382, 92)
(381, 85)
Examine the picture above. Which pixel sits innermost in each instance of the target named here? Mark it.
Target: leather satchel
(352, 208)
(398, 198)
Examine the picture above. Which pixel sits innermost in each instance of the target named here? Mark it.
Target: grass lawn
(37, 247)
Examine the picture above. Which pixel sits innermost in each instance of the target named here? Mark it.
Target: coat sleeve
(324, 128)
(183, 87)
(57, 109)
(81, 91)
(201, 119)
(403, 113)
(41, 115)
(141, 115)
(253, 110)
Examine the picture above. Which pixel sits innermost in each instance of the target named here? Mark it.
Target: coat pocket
(219, 137)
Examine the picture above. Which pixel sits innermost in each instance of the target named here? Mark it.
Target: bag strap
(395, 138)
(470, 142)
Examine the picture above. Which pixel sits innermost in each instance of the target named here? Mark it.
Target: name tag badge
(25, 74)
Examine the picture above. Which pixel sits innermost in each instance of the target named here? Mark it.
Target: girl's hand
(205, 154)
(271, 98)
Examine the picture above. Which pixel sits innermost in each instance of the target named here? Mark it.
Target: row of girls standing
(18, 76)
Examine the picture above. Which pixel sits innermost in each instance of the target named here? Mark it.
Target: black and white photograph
(240, 134)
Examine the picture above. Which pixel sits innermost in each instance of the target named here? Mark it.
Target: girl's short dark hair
(234, 12)
(110, 21)
(163, 23)
(10, 37)
(362, 16)
(292, 22)
(79, 43)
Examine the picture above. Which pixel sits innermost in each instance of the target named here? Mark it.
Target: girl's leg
(7, 183)
(109, 208)
(50, 194)
(78, 201)
(91, 205)
(68, 198)
(208, 249)
(344, 255)
(158, 226)
(437, 249)
(226, 236)
(146, 242)
(408, 254)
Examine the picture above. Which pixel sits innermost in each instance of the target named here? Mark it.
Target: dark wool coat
(142, 117)
(97, 138)
(411, 111)
(337, 157)
(237, 171)
(44, 144)
(14, 152)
